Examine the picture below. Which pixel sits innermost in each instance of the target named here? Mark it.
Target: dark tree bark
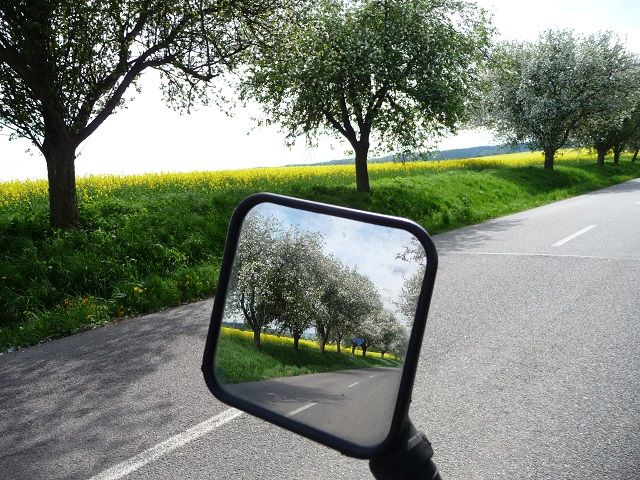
(254, 316)
(382, 352)
(362, 173)
(296, 338)
(548, 159)
(324, 332)
(602, 152)
(361, 146)
(364, 350)
(617, 150)
(635, 155)
(338, 341)
(63, 202)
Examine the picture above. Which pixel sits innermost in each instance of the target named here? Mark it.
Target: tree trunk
(635, 155)
(322, 344)
(548, 159)
(256, 339)
(382, 354)
(353, 349)
(63, 202)
(364, 350)
(616, 155)
(296, 338)
(362, 174)
(601, 154)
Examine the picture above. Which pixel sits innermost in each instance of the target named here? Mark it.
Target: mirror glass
(317, 319)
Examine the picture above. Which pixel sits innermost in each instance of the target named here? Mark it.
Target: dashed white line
(529, 254)
(371, 376)
(571, 237)
(298, 410)
(352, 385)
(134, 463)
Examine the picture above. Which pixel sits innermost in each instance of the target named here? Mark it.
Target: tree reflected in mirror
(317, 319)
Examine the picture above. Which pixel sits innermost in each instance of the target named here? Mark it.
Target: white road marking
(134, 463)
(298, 410)
(553, 255)
(571, 237)
(371, 376)
(352, 385)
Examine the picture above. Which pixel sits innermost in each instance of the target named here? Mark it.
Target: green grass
(153, 241)
(238, 361)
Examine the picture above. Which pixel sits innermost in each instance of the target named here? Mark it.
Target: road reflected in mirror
(317, 319)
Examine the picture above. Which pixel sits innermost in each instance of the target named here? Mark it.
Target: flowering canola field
(98, 186)
(288, 342)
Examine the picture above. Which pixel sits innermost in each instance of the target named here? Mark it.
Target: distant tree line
(393, 74)
(564, 89)
(282, 279)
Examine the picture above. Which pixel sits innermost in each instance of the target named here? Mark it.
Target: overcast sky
(150, 137)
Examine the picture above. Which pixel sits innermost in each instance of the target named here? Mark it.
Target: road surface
(356, 405)
(529, 370)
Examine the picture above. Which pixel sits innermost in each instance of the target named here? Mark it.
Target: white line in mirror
(298, 410)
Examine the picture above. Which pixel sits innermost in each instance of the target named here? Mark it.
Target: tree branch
(346, 121)
(335, 123)
(33, 83)
(375, 104)
(138, 65)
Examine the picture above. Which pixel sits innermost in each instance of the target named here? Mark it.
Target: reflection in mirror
(317, 319)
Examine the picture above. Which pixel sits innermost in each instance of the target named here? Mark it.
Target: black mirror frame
(403, 399)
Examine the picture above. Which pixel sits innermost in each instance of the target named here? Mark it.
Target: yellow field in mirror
(238, 361)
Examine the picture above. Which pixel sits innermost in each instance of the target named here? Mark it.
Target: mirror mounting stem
(409, 459)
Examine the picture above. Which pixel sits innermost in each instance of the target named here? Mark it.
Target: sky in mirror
(373, 250)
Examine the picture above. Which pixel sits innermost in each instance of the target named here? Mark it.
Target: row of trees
(282, 279)
(565, 89)
(392, 74)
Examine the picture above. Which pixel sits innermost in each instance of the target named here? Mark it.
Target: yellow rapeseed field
(97, 186)
(288, 341)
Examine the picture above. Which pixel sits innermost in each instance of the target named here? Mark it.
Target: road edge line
(172, 443)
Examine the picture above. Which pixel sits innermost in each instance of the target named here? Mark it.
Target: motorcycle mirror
(318, 320)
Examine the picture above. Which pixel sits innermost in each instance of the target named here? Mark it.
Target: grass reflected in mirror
(237, 360)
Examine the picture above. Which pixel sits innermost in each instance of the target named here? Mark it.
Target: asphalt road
(529, 370)
(356, 405)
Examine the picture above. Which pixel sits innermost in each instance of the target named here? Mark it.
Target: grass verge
(237, 361)
(151, 241)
